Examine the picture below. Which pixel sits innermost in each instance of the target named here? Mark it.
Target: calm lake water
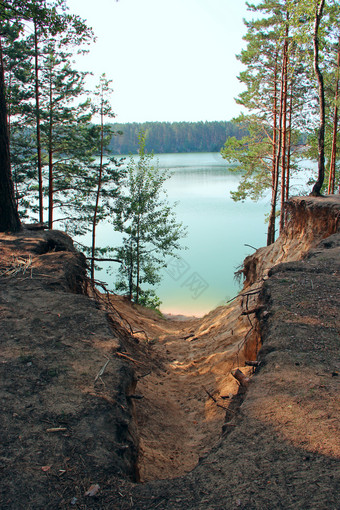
(218, 230)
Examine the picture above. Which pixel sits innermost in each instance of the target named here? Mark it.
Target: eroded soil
(98, 394)
(185, 384)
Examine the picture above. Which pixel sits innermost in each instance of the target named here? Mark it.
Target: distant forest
(163, 137)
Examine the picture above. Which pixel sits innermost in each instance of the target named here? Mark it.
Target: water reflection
(218, 230)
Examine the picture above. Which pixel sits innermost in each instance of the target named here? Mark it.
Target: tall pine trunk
(271, 222)
(289, 141)
(276, 163)
(94, 223)
(9, 217)
(37, 110)
(50, 159)
(284, 131)
(331, 181)
(321, 92)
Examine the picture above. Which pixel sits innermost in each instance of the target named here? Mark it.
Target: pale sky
(170, 60)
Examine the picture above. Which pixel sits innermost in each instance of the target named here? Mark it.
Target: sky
(169, 60)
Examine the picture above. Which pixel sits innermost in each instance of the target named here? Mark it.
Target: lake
(218, 231)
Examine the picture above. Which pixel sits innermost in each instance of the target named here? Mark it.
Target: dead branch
(18, 265)
(253, 310)
(102, 370)
(143, 375)
(123, 321)
(214, 399)
(251, 293)
(104, 260)
(128, 357)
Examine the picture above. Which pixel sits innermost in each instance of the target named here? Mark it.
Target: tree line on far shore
(169, 137)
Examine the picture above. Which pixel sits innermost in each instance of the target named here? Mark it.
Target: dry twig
(102, 370)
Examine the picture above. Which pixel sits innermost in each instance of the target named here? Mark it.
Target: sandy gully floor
(185, 386)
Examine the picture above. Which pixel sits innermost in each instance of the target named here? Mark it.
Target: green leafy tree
(9, 217)
(149, 227)
(95, 200)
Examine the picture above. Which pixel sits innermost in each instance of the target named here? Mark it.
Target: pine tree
(12, 12)
(317, 27)
(96, 199)
(282, 97)
(269, 80)
(26, 62)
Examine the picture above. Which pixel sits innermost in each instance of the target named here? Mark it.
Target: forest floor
(90, 411)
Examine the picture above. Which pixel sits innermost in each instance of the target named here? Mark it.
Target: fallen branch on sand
(128, 357)
(214, 399)
(102, 370)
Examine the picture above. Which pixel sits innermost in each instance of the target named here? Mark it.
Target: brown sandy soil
(59, 422)
(187, 385)
(281, 450)
(88, 384)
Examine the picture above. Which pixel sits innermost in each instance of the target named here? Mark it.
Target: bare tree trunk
(277, 162)
(271, 222)
(131, 273)
(50, 160)
(289, 140)
(9, 217)
(94, 224)
(284, 131)
(37, 109)
(331, 181)
(138, 262)
(321, 136)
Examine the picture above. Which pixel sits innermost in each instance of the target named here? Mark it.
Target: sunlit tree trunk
(271, 222)
(331, 182)
(284, 131)
(131, 269)
(277, 160)
(289, 142)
